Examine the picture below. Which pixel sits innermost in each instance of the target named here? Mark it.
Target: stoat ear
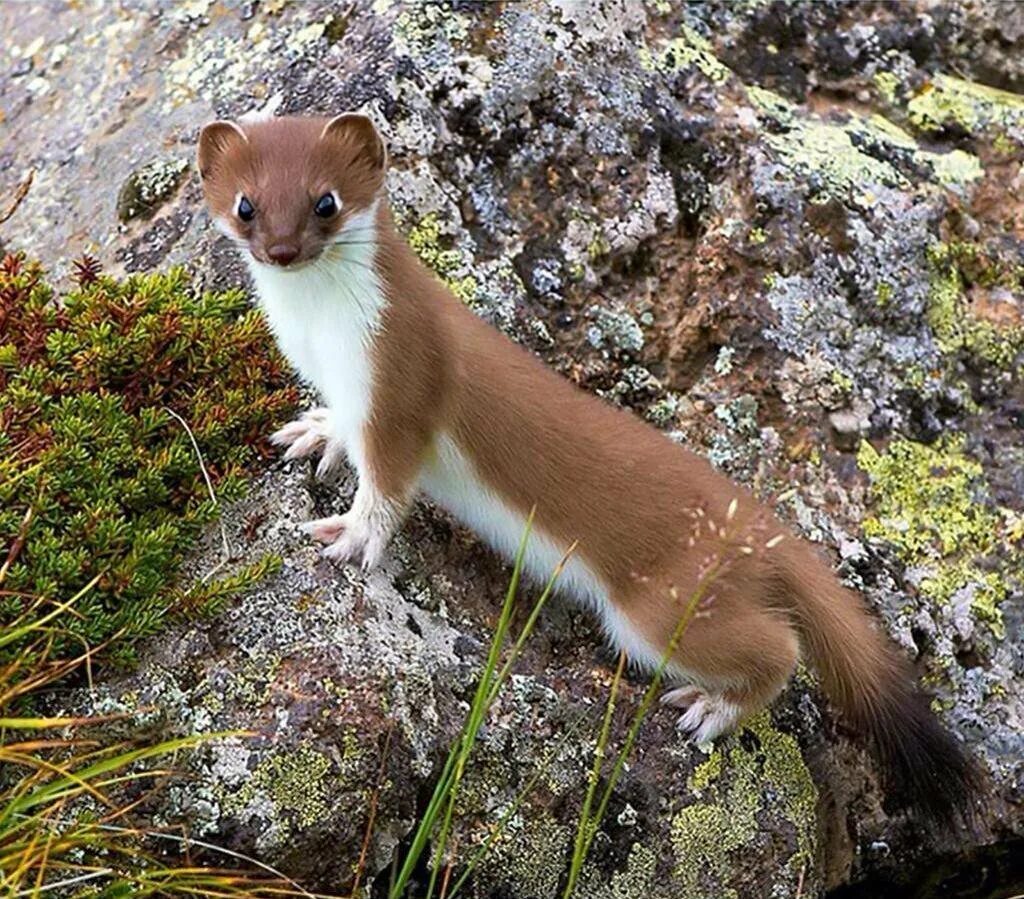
(214, 140)
(359, 130)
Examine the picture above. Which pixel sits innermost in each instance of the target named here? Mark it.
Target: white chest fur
(325, 316)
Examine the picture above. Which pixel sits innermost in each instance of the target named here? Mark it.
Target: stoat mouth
(291, 267)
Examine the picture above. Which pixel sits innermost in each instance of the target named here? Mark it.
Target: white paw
(682, 697)
(332, 459)
(308, 434)
(350, 538)
(708, 716)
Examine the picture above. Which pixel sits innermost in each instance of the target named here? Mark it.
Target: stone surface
(773, 229)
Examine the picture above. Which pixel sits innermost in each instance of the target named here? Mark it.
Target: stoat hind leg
(732, 660)
(308, 435)
(707, 715)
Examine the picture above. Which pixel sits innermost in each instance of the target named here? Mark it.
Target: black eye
(246, 210)
(325, 206)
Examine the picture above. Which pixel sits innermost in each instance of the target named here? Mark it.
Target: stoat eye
(326, 206)
(246, 210)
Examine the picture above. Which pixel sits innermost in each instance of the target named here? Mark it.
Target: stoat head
(288, 189)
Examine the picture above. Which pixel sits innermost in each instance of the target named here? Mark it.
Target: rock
(149, 186)
(739, 220)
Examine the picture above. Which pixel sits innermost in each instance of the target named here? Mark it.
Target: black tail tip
(926, 767)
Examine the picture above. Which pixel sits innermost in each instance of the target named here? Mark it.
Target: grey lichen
(149, 186)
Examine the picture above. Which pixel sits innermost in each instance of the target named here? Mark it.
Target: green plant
(66, 796)
(436, 822)
(590, 821)
(488, 687)
(106, 394)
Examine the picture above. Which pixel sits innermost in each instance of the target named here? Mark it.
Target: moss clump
(448, 264)
(950, 316)
(89, 451)
(931, 505)
(145, 188)
(706, 834)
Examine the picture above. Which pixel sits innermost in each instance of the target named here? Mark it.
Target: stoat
(423, 396)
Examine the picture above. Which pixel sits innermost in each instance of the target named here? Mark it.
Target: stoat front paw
(309, 434)
(350, 538)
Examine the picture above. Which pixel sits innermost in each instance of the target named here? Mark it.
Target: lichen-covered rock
(790, 234)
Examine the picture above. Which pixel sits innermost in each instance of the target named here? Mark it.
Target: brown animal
(423, 396)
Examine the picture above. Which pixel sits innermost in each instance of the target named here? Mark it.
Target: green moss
(705, 835)
(930, 504)
(87, 443)
(448, 264)
(950, 316)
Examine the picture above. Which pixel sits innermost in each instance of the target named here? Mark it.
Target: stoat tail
(925, 765)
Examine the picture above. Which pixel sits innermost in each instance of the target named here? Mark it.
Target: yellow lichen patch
(835, 152)
(737, 780)
(687, 51)
(957, 325)
(706, 772)
(293, 784)
(947, 101)
(929, 504)
(887, 85)
(425, 240)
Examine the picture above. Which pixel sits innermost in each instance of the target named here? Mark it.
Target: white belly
(451, 481)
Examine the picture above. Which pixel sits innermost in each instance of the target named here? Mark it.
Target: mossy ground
(99, 480)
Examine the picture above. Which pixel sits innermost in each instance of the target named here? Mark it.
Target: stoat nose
(283, 253)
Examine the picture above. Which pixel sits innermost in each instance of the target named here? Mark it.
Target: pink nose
(283, 253)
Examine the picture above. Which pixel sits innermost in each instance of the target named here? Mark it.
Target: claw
(709, 716)
(326, 530)
(331, 461)
(305, 435)
(681, 697)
